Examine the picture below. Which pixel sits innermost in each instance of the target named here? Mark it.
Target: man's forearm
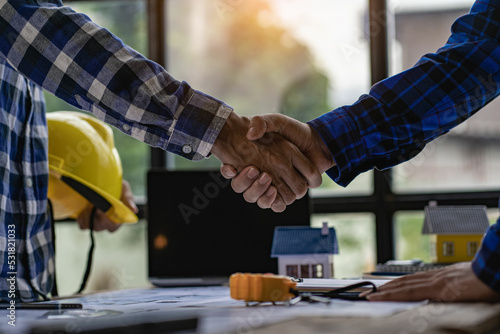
(87, 66)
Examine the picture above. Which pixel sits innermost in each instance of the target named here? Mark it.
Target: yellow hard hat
(84, 167)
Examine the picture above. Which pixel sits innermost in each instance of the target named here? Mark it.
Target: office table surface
(216, 312)
(433, 318)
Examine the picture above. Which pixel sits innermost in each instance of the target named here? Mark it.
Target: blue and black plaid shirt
(44, 44)
(401, 114)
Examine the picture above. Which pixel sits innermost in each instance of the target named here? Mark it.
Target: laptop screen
(199, 227)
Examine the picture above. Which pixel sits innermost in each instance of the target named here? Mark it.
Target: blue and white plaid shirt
(44, 44)
(401, 114)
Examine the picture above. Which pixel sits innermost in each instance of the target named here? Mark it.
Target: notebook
(200, 231)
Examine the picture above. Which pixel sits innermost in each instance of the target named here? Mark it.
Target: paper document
(326, 284)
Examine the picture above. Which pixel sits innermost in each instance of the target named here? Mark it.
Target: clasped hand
(290, 158)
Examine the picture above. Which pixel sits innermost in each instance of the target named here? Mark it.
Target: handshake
(273, 159)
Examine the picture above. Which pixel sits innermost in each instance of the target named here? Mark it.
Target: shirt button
(126, 127)
(187, 149)
(29, 182)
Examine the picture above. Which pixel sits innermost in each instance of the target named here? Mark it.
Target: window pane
(292, 271)
(317, 271)
(356, 237)
(448, 248)
(410, 242)
(467, 158)
(119, 260)
(472, 248)
(254, 56)
(127, 20)
(304, 271)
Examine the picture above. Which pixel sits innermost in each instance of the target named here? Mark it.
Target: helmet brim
(118, 212)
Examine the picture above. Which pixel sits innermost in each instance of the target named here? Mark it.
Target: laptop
(200, 231)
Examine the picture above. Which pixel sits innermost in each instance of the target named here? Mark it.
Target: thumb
(260, 125)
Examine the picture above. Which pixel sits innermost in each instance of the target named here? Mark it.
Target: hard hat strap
(92, 196)
(91, 251)
(54, 291)
(90, 255)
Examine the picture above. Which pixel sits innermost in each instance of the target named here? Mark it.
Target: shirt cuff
(196, 127)
(486, 264)
(341, 135)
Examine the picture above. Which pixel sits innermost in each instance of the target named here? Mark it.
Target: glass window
(448, 248)
(305, 271)
(467, 158)
(292, 271)
(317, 271)
(356, 238)
(410, 243)
(127, 20)
(254, 56)
(472, 247)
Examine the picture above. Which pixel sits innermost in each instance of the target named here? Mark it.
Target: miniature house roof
(296, 240)
(455, 220)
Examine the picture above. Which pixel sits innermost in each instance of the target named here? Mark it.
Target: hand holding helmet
(101, 220)
(86, 171)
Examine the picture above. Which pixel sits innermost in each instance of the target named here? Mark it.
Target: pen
(41, 306)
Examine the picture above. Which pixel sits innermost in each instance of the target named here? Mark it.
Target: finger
(288, 196)
(83, 218)
(102, 222)
(416, 278)
(292, 186)
(308, 170)
(228, 171)
(245, 179)
(278, 205)
(267, 200)
(258, 188)
(257, 128)
(286, 126)
(402, 284)
(260, 125)
(407, 293)
(127, 197)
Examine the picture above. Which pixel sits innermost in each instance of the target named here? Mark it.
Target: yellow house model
(456, 231)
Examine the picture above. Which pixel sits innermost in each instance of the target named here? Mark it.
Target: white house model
(305, 252)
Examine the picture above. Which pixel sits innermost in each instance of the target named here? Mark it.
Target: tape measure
(261, 287)
(272, 288)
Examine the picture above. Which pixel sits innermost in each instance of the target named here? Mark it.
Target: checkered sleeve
(486, 264)
(401, 114)
(87, 66)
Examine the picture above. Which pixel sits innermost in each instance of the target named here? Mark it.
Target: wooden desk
(432, 318)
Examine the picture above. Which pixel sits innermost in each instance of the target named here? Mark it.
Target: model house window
(304, 271)
(292, 270)
(448, 248)
(317, 271)
(472, 247)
